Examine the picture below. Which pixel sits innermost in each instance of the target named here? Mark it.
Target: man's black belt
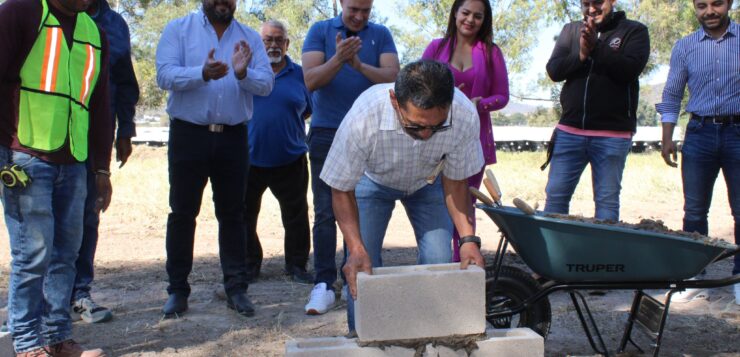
(718, 119)
(213, 128)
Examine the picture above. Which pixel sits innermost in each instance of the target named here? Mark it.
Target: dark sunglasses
(409, 126)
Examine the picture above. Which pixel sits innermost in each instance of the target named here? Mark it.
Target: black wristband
(102, 172)
(469, 239)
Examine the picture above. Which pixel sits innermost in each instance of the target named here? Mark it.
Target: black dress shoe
(299, 275)
(176, 305)
(240, 302)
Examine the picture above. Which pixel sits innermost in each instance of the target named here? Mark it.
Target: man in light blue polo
(342, 57)
(277, 154)
(212, 67)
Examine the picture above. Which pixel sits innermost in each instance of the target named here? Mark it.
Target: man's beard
(275, 56)
(722, 21)
(215, 16)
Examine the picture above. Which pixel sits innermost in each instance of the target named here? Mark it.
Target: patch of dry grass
(645, 176)
(649, 189)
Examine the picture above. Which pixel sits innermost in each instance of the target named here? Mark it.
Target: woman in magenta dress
(478, 67)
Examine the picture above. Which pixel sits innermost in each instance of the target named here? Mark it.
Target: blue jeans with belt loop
(570, 156)
(44, 222)
(427, 211)
(707, 148)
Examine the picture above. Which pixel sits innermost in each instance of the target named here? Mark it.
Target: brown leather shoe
(39, 352)
(70, 348)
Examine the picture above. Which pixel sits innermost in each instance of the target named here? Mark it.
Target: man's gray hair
(277, 24)
(426, 84)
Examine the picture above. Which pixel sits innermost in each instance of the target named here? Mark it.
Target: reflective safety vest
(56, 84)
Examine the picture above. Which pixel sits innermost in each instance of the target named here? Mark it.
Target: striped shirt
(711, 68)
(371, 141)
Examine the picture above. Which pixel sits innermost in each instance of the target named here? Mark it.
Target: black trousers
(196, 155)
(289, 184)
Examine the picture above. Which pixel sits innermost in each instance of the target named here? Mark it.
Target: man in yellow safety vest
(54, 112)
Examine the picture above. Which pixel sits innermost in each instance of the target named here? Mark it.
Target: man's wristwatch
(469, 239)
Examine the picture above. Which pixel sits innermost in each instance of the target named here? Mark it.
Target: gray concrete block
(516, 342)
(519, 342)
(6, 345)
(340, 347)
(420, 301)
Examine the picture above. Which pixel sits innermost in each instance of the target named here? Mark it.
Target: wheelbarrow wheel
(512, 288)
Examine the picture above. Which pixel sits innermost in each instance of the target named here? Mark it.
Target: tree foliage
(516, 26)
(667, 22)
(148, 18)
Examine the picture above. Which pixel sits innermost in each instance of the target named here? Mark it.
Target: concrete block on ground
(420, 301)
(518, 342)
(6, 345)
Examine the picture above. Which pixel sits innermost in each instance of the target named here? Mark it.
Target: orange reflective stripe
(88, 74)
(52, 50)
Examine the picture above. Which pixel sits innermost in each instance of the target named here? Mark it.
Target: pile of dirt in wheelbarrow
(650, 225)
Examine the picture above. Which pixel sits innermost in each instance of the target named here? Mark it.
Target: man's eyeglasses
(277, 40)
(415, 128)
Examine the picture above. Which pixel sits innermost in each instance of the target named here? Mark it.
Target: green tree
(298, 16)
(667, 22)
(148, 18)
(543, 117)
(146, 32)
(515, 119)
(646, 113)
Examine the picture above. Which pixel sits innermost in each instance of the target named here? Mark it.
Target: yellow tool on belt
(14, 176)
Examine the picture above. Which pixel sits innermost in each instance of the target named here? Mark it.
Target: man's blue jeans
(708, 148)
(324, 227)
(429, 218)
(86, 257)
(44, 223)
(570, 156)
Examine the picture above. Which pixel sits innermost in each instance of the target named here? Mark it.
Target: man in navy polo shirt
(277, 152)
(342, 57)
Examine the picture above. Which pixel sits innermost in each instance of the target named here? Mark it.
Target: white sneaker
(90, 312)
(321, 300)
(737, 293)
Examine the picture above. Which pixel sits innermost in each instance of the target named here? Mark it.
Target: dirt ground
(130, 278)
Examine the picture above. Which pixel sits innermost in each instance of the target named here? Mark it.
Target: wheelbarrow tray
(574, 251)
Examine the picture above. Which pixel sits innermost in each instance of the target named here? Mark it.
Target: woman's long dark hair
(485, 34)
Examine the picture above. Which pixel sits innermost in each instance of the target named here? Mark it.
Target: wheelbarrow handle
(480, 196)
(728, 254)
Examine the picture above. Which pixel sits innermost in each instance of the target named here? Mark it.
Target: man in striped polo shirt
(708, 61)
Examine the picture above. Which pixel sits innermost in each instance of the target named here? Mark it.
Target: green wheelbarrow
(572, 256)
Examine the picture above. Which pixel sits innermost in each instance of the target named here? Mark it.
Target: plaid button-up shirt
(371, 141)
